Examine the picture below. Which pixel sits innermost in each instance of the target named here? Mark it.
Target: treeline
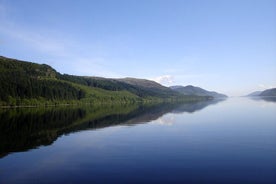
(18, 85)
(22, 80)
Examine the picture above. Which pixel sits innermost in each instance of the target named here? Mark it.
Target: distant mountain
(192, 90)
(148, 87)
(268, 93)
(256, 93)
(176, 87)
(143, 83)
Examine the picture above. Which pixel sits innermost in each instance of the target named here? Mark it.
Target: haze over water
(231, 141)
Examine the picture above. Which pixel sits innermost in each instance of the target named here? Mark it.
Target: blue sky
(223, 45)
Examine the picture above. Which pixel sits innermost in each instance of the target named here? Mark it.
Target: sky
(227, 46)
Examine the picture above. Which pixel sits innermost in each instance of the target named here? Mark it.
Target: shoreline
(56, 104)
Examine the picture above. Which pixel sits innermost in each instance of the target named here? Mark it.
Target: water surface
(231, 141)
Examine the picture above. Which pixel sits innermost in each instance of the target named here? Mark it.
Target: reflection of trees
(23, 129)
(265, 98)
(193, 107)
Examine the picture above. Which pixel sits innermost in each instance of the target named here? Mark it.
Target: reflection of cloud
(165, 120)
(164, 79)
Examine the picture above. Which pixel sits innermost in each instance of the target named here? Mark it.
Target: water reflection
(264, 98)
(234, 141)
(192, 107)
(24, 129)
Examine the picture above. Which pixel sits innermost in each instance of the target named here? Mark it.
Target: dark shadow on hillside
(24, 129)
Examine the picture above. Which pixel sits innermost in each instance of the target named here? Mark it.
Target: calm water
(231, 141)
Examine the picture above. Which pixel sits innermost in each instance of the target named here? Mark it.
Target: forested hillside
(26, 83)
(23, 80)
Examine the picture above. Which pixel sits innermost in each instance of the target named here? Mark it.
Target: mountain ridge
(268, 92)
(255, 93)
(265, 93)
(190, 89)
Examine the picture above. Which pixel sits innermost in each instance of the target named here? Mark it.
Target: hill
(25, 80)
(149, 87)
(268, 93)
(27, 83)
(255, 93)
(192, 90)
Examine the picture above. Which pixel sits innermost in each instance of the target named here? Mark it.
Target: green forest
(28, 84)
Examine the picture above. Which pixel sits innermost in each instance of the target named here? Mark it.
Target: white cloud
(164, 79)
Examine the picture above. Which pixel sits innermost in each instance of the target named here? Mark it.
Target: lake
(230, 141)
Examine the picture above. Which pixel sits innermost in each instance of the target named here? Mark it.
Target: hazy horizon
(223, 46)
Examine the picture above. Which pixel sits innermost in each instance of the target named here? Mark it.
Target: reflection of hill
(137, 114)
(23, 129)
(193, 107)
(268, 99)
